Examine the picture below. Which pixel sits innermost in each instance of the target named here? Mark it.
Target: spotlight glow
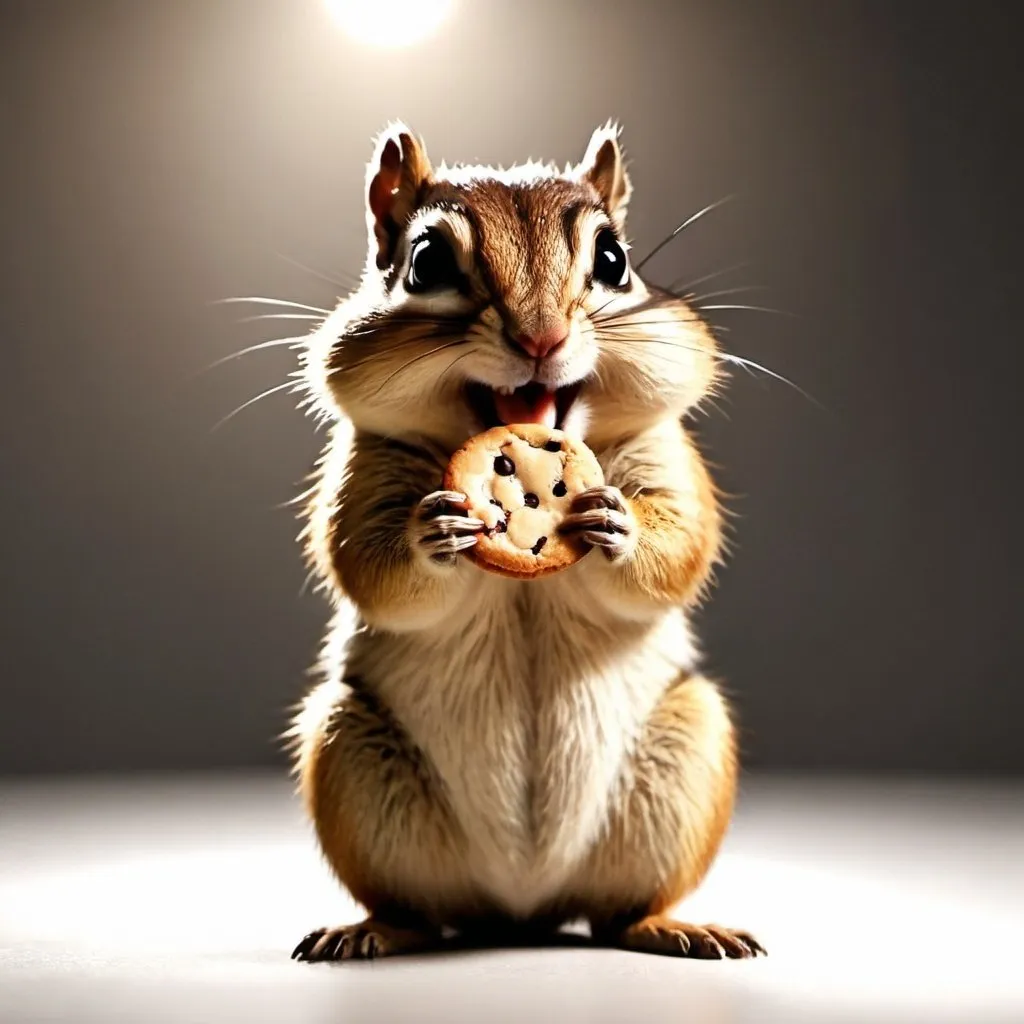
(392, 25)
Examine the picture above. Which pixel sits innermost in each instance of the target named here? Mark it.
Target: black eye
(611, 267)
(432, 265)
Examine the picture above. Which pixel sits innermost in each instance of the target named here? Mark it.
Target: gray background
(158, 156)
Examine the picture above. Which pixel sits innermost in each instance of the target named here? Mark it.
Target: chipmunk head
(504, 296)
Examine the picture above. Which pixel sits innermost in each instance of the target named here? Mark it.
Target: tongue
(532, 403)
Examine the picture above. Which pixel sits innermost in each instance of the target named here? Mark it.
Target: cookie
(521, 481)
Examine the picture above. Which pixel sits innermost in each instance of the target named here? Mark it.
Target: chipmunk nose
(538, 344)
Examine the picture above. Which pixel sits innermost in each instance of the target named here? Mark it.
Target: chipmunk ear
(604, 168)
(395, 179)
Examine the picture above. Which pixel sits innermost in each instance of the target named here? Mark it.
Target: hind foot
(364, 941)
(667, 937)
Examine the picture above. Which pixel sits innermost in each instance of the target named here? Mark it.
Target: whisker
(352, 279)
(413, 340)
(749, 364)
(677, 345)
(625, 325)
(252, 401)
(272, 302)
(755, 309)
(682, 227)
(368, 359)
(626, 321)
(583, 296)
(603, 306)
(448, 368)
(725, 357)
(678, 285)
(724, 291)
(658, 300)
(280, 316)
(295, 342)
(388, 325)
(423, 355)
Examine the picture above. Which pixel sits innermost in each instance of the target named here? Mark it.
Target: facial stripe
(572, 215)
(527, 250)
(585, 229)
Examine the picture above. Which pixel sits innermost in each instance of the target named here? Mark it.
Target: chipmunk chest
(475, 696)
(524, 709)
(537, 736)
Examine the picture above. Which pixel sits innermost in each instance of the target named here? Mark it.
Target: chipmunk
(489, 755)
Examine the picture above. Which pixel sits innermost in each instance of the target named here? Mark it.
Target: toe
(735, 948)
(319, 950)
(306, 944)
(674, 938)
(597, 497)
(751, 943)
(440, 501)
(706, 947)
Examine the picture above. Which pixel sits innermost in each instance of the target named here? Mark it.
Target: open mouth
(531, 403)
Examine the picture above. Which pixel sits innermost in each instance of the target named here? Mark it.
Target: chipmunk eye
(611, 265)
(432, 265)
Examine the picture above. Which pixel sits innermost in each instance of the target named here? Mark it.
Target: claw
(599, 497)
(438, 533)
(306, 943)
(455, 524)
(605, 519)
(320, 945)
(450, 541)
(445, 548)
(748, 940)
(365, 941)
(673, 938)
(600, 539)
(601, 518)
(439, 502)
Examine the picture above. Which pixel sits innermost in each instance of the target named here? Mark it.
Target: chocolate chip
(531, 500)
(559, 489)
(494, 501)
(553, 446)
(501, 526)
(504, 466)
(540, 543)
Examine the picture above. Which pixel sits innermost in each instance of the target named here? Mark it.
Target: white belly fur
(526, 702)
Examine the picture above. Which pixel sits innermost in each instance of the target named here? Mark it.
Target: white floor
(180, 900)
